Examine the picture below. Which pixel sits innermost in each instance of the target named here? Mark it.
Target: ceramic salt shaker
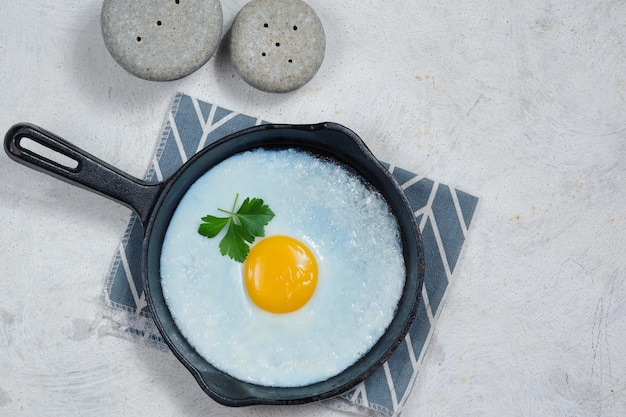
(277, 45)
(161, 40)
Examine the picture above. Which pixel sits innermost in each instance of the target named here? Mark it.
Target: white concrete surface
(520, 103)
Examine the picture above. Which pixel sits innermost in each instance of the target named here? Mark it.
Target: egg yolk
(280, 274)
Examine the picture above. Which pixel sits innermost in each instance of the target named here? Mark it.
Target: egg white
(350, 230)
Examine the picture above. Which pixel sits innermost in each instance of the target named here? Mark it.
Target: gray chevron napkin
(443, 214)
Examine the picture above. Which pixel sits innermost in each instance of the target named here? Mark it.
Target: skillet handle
(75, 166)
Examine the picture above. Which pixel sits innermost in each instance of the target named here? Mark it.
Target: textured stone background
(520, 103)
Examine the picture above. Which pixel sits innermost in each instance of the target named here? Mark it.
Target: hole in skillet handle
(51, 156)
(31, 145)
(326, 140)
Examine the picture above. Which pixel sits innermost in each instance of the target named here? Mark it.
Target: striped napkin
(443, 214)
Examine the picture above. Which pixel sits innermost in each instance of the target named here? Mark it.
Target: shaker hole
(265, 25)
(138, 38)
(277, 43)
(158, 23)
(295, 28)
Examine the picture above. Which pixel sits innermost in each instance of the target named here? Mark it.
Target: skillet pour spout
(155, 203)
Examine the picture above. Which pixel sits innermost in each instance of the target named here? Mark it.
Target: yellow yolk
(280, 274)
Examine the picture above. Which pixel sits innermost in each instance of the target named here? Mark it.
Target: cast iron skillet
(155, 205)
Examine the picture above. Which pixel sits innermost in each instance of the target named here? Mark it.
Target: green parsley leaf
(254, 215)
(212, 226)
(244, 225)
(233, 244)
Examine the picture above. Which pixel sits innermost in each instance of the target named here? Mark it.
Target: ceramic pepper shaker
(277, 45)
(161, 40)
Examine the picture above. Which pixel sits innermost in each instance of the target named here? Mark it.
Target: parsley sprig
(244, 225)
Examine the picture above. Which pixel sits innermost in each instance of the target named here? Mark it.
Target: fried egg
(313, 295)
